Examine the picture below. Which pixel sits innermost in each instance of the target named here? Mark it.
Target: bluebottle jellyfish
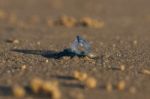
(80, 46)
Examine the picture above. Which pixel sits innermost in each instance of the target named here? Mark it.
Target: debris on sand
(90, 82)
(39, 86)
(15, 41)
(18, 91)
(36, 85)
(145, 71)
(121, 85)
(23, 67)
(50, 88)
(89, 22)
(46, 61)
(122, 67)
(81, 76)
(67, 21)
(92, 55)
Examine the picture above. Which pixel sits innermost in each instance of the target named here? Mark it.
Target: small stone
(51, 88)
(91, 82)
(16, 41)
(122, 67)
(18, 91)
(121, 85)
(92, 55)
(36, 84)
(23, 67)
(135, 42)
(67, 21)
(89, 22)
(146, 72)
(66, 58)
(80, 75)
(46, 60)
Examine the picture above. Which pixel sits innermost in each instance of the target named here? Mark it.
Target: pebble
(46, 61)
(121, 85)
(91, 82)
(89, 22)
(15, 41)
(51, 88)
(135, 42)
(122, 67)
(23, 67)
(92, 55)
(67, 21)
(18, 91)
(80, 75)
(146, 72)
(36, 84)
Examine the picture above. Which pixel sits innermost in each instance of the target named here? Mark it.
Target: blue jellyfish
(80, 46)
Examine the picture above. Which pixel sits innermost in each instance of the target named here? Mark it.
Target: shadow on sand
(67, 81)
(7, 91)
(48, 53)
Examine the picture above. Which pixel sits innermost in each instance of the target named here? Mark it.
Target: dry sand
(30, 37)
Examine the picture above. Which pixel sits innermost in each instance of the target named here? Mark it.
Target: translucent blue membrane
(80, 46)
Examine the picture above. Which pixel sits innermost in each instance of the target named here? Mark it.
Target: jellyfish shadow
(49, 53)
